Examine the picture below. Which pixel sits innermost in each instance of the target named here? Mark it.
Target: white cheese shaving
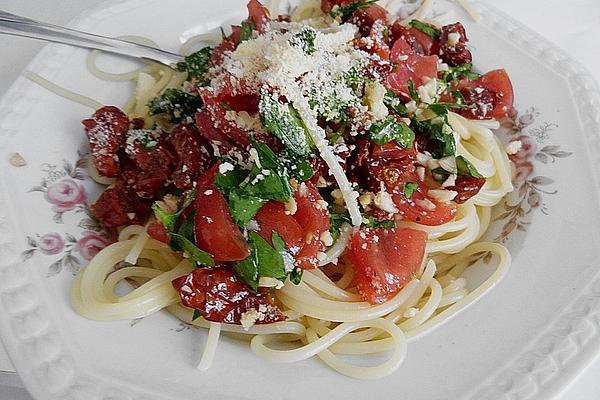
(443, 196)
(384, 201)
(513, 147)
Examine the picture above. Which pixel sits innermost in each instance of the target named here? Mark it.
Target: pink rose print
(90, 244)
(65, 195)
(51, 243)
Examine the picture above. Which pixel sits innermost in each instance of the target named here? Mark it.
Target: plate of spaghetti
(327, 198)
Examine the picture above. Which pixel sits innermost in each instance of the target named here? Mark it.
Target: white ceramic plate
(524, 340)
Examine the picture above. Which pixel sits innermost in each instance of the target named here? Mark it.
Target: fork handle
(20, 26)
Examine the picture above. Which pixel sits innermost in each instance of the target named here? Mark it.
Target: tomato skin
(273, 218)
(490, 96)
(259, 14)
(157, 232)
(221, 297)
(411, 66)
(312, 215)
(411, 210)
(215, 230)
(384, 260)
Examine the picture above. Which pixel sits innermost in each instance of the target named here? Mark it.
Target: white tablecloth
(573, 25)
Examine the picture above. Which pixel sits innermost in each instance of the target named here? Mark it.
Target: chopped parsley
(196, 315)
(196, 64)
(305, 39)
(463, 70)
(375, 223)
(390, 129)
(427, 29)
(409, 189)
(176, 103)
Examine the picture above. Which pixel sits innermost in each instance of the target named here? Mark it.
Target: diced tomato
(385, 260)
(419, 42)
(215, 230)
(366, 18)
(273, 218)
(221, 297)
(157, 232)
(313, 217)
(466, 187)
(410, 66)
(490, 96)
(422, 209)
(259, 14)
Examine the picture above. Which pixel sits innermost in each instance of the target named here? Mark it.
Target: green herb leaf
(412, 91)
(248, 27)
(375, 223)
(335, 223)
(344, 12)
(463, 70)
(305, 39)
(427, 29)
(393, 102)
(196, 315)
(409, 189)
(390, 129)
(176, 103)
(466, 168)
(298, 167)
(440, 138)
(296, 276)
(243, 207)
(196, 64)
(192, 251)
(169, 220)
(264, 261)
(283, 121)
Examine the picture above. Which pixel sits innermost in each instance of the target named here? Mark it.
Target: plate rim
(553, 359)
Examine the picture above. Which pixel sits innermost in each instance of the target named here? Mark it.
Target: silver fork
(16, 25)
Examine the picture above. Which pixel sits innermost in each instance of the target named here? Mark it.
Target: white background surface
(574, 25)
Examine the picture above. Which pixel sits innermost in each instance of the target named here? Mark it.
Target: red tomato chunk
(384, 260)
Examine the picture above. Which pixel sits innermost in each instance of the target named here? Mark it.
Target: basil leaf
(196, 64)
(345, 12)
(283, 121)
(192, 251)
(440, 174)
(335, 223)
(298, 167)
(305, 39)
(427, 29)
(176, 103)
(264, 261)
(231, 179)
(169, 220)
(393, 102)
(466, 168)
(247, 270)
(247, 28)
(271, 186)
(196, 315)
(390, 129)
(409, 189)
(243, 207)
